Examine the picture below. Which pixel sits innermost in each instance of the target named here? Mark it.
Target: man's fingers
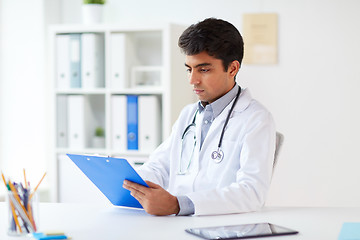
(137, 195)
(131, 186)
(135, 190)
(152, 185)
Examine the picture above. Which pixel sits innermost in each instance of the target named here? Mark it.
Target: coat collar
(244, 101)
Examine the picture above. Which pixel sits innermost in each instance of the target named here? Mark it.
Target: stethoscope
(218, 155)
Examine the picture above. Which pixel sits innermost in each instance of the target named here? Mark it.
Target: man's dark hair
(220, 39)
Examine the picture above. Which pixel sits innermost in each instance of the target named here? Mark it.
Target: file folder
(61, 121)
(108, 175)
(63, 61)
(132, 122)
(122, 58)
(149, 122)
(118, 123)
(92, 61)
(78, 114)
(75, 60)
(119, 67)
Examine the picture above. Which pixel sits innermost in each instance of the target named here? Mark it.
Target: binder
(75, 60)
(122, 58)
(119, 70)
(108, 175)
(92, 61)
(62, 61)
(61, 121)
(149, 122)
(78, 122)
(132, 122)
(119, 122)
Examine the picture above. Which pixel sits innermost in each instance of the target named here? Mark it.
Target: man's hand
(155, 200)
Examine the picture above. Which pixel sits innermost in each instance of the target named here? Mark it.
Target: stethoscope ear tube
(218, 155)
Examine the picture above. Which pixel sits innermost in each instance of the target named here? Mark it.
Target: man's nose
(194, 78)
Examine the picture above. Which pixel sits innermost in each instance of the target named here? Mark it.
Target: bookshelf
(115, 62)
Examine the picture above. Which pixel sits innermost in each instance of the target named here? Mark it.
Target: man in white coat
(219, 156)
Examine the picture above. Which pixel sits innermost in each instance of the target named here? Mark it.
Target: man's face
(207, 75)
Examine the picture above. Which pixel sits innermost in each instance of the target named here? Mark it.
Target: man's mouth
(198, 91)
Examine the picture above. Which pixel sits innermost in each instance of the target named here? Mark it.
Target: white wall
(0, 78)
(24, 92)
(312, 92)
(313, 95)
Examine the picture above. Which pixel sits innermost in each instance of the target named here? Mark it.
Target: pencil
(26, 186)
(32, 194)
(3, 177)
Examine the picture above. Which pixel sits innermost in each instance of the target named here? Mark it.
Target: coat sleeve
(249, 191)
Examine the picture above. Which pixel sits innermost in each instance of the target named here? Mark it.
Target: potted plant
(92, 11)
(99, 138)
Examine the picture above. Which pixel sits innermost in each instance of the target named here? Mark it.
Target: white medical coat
(240, 182)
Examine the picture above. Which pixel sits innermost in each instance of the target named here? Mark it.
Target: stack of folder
(80, 60)
(136, 122)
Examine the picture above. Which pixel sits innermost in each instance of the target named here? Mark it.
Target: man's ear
(233, 68)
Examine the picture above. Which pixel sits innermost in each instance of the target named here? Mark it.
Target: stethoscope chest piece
(217, 156)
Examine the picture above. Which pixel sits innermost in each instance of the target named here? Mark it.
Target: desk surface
(98, 222)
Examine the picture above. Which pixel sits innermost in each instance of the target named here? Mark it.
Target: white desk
(98, 222)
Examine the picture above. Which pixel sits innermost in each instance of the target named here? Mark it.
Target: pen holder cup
(23, 214)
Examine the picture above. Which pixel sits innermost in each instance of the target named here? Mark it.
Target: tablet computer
(108, 175)
(242, 231)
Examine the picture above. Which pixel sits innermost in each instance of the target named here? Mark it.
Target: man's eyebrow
(199, 65)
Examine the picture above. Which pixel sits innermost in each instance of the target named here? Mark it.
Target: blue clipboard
(108, 175)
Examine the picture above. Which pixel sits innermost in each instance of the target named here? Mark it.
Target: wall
(24, 92)
(312, 91)
(313, 94)
(0, 79)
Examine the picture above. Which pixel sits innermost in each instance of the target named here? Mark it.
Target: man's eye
(188, 70)
(204, 70)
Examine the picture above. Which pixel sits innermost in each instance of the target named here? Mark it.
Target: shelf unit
(152, 65)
